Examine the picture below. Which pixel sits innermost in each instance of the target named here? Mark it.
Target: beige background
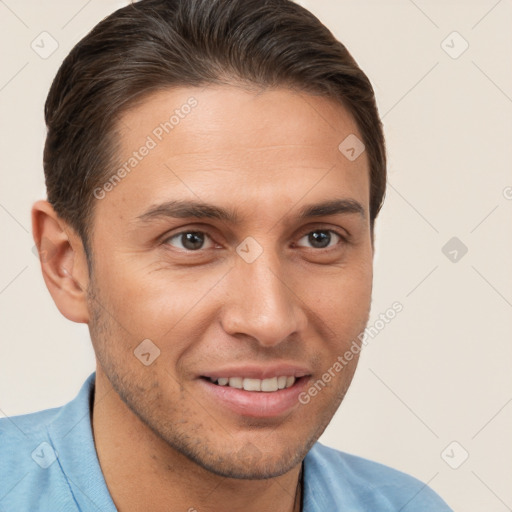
(441, 370)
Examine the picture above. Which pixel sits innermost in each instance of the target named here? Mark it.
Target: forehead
(230, 116)
(225, 144)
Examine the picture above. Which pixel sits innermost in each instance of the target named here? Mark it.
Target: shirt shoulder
(27, 454)
(48, 461)
(335, 479)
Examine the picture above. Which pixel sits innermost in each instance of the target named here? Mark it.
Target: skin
(265, 154)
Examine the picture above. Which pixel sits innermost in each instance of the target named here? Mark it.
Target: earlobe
(63, 261)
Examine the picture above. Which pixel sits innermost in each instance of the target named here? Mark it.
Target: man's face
(262, 296)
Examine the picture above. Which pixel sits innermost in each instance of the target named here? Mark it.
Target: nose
(261, 303)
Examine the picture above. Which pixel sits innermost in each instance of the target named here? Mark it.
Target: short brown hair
(157, 44)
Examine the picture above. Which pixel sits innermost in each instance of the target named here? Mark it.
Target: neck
(142, 471)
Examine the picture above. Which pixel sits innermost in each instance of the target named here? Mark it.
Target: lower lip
(255, 404)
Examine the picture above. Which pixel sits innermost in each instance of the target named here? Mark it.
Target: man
(214, 169)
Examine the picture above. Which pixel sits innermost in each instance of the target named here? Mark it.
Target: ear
(63, 262)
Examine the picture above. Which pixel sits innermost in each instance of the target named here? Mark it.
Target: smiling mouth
(269, 397)
(269, 385)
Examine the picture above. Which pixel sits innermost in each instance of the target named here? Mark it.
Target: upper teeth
(268, 385)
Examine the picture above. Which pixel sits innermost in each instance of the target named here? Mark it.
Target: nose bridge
(261, 303)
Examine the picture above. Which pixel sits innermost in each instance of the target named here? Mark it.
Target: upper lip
(252, 371)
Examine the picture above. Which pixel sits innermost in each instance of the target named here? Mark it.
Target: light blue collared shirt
(48, 463)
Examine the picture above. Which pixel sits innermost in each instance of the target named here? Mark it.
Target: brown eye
(189, 240)
(321, 238)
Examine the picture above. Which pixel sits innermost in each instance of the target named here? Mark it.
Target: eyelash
(343, 238)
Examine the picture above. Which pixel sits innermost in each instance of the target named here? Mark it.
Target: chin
(249, 463)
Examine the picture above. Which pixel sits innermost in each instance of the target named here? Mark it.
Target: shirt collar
(72, 437)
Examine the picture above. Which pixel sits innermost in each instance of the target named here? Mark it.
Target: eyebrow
(200, 210)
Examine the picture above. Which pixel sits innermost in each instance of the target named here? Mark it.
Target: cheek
(158, 303)
(342, 299)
